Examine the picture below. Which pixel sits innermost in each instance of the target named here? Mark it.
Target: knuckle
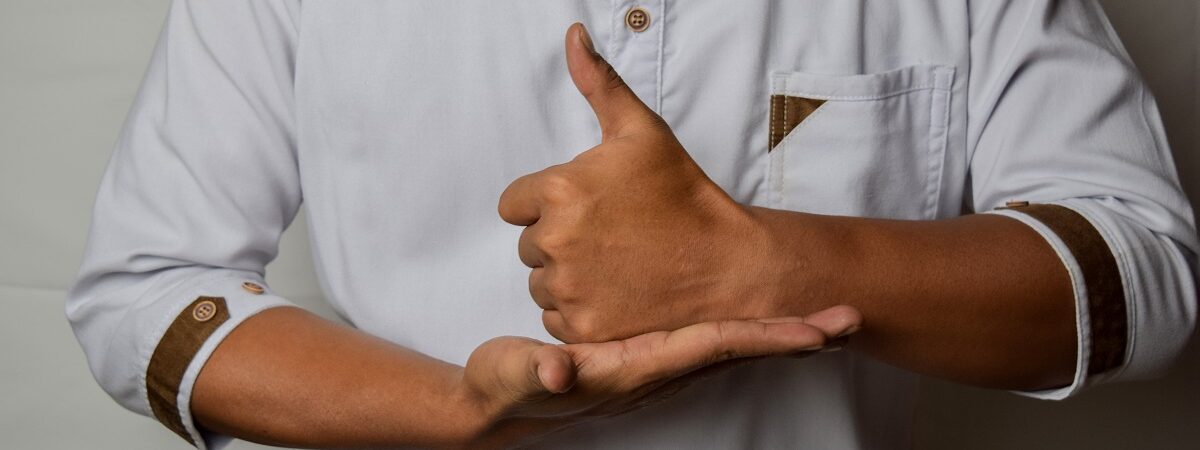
(527, 247)
(553, 243)
(612, 79)
(560, 287)
(505, 209)
(509, 196)
(585, 326)
(537, 290)
(568, 336)
(554, 326)
(535, 284)
(559, 189)
(722, 345)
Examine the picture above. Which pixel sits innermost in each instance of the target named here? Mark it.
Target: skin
(287, 377)
(631, 236)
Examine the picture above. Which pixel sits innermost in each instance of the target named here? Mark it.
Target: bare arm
(979, 299)
(287, 377)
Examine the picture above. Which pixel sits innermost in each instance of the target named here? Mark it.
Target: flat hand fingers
(697, 346)
(836, 321)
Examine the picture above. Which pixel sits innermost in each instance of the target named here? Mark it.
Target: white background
(69, 70)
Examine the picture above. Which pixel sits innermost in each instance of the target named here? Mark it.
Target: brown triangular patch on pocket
(786, 113)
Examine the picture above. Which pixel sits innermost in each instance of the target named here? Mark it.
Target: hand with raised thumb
(631, 236)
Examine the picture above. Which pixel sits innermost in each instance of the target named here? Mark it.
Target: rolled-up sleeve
(201, 185)
(1064, 136)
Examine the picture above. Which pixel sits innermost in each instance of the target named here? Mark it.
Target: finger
(837, 321)
(527, 247)
(551, 370)
(556, 325)
(537, 289)
(513, 370)
(733, 339)
(687, 349)
(533, 370)
(616, 106)
(519, 203)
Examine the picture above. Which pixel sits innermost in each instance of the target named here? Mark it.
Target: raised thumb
(616, 106)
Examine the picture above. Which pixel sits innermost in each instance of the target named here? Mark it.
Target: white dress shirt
(398, 124)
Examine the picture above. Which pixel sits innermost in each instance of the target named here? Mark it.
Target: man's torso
(412, 118)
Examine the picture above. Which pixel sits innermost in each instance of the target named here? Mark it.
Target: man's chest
(458, 98)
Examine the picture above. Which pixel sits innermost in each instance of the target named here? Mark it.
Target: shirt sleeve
(200, 186)
(1064, 136)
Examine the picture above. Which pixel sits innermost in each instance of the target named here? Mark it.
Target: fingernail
(835, 345)
(803, 353)
(813, 349)
(849, 331)
(544, 377)
(585, 38)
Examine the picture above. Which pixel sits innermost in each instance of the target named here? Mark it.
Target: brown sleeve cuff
(174, 353)
(1105, 292)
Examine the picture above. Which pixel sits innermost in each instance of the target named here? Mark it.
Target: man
(758, 164)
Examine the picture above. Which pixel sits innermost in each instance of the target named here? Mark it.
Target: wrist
(491, 421)
(752, 267)
(797, 258)
(478, 411)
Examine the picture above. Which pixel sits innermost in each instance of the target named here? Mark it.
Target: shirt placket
(635, 47)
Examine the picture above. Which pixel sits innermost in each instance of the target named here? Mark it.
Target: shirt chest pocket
(859, 145)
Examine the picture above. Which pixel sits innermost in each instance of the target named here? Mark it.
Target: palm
(528, 378)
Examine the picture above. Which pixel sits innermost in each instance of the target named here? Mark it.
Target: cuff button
(204, 311)
(253, 288)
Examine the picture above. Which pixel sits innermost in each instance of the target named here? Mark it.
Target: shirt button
(253, 288)
(204, 311)
(637, 19)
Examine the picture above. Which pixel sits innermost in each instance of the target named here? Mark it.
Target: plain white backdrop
(69, 70)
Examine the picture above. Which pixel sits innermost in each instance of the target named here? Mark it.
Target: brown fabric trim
(174, 353)
(1105, 292)
(786, 113)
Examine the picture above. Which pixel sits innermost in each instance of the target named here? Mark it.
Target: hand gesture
(521, 379)
(631, 236)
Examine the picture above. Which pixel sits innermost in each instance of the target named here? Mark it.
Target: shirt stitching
(861, 97)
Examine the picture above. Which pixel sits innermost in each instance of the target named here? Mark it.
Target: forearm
(979, 299)
(288, 377)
